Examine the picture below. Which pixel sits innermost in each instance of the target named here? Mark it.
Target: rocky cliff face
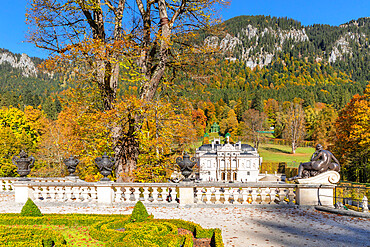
(255, 54)
(259, 43)
(22, 62)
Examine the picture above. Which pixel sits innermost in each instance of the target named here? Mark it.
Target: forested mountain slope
(267, 57)
(260, 57)
(21, 83)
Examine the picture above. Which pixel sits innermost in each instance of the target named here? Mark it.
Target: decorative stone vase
(71, 164)
(105, 165)
(186, 165)
(24, 164)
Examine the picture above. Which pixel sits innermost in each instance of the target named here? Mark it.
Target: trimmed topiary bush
(139, 213)
(30, 209)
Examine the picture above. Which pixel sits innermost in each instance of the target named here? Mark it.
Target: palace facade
(228, 162)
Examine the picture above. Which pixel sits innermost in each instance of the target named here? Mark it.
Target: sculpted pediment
(226, 147)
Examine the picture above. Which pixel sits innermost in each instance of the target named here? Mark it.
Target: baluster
(5, 185)
(233, 196)
(281, 195)
(155, 194)
(254, 195)
(267, 192)
(227, 196)
(77, 192)
(172, 194)
(68, 193)
(136, 194)
(263, 194)
(199, 194)
(208, 195)
(244, 192)
(118, 195)
(37, 193)
(10, 184)
(56, 193)
(218, 195)
(94, 194)
(146, 194)
(52, 193)
(85, 193)
(126, 194)
(286, 193)
(44, 192)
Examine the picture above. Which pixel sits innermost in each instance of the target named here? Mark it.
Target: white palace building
(228, 162)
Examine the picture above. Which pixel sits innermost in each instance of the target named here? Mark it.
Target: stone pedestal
(22, 192)
(105, 193)
(317, 190)
(186, 193)
(313, 195)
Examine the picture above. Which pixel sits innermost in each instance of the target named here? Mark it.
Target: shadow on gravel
(316, 229)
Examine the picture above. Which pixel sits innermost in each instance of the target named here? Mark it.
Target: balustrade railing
(161, 193)
(6, 184)
(63, 192)
(245, 194)
(145, 192)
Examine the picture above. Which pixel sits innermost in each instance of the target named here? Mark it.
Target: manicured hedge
(30, 236)
(188, 240)
(216, 239)
(30, 209)
(148, 233)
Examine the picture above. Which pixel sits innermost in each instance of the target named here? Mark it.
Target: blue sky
(308, 12)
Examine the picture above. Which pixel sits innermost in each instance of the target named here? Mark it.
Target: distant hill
(21, 83)
(270, 57)
(261, 57)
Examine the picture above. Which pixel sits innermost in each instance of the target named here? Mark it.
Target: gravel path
(249, 226)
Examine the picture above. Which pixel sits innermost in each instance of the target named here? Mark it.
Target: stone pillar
(315, 194)
(186, 194)
(22, 192)
(317, 190)
(365, 205)
(105, 193)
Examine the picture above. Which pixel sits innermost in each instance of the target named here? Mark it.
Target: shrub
(216, 239)
(30, 209)
(139, 213)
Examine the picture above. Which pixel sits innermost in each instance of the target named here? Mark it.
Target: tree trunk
(293, 148)
(126, 150)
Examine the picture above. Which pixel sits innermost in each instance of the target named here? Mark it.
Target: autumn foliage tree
(19, 130)
(293, 119)
(255, 122)
(352, 139)
(95, 40)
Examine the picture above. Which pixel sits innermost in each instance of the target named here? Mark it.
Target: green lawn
(282, 153)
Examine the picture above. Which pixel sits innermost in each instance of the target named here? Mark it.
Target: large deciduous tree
(255, 122)
(94, 38)
(352, 140)
(294, 125)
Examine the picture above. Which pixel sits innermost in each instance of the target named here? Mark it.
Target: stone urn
(24, 164)
(71, 164)
(186, 165)
(105, 165)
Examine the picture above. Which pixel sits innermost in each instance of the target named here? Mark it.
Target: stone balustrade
(155, 193)
(245, 193)
(63, 192)
(52, 190)
(6, 183)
